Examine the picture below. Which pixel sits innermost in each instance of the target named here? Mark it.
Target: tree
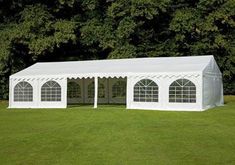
(36, 30)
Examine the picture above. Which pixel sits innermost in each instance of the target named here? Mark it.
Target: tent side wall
(54, 104)
(163, 103)
(23, 104)
(212, 86)
(36, 85)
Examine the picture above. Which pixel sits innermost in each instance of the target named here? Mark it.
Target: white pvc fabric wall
(181, 84)
(212, 91)
(192, 93)
(164, 101)
(53, 95)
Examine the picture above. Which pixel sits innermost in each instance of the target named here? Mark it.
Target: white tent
(192, 83)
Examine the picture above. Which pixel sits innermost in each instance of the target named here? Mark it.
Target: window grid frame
(23, 92)
(179, 94)
(51, 92)
(146, 90)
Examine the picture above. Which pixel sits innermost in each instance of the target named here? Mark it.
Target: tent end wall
(212, 83)
(212, 91)
(211, 106)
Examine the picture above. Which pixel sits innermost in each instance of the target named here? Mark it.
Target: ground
(112, 135)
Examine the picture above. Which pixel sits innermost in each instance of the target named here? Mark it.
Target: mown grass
(112, 135)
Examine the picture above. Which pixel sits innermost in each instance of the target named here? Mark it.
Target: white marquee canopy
(201, 71)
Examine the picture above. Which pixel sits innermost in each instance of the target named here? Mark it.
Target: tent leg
(96, 92)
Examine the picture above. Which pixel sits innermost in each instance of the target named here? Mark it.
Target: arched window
(146, 91)
(182, 91)
(51, 91)
(74, 90)
(23, 92)
(119, 89)
(91, 91)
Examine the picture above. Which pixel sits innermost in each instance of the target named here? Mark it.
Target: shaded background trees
(40, 30)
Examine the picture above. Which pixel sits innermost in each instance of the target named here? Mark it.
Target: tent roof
(118, 66)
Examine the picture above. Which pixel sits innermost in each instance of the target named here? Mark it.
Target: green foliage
(123, 51)
(125, 28)
(148, 8)
(37, 30)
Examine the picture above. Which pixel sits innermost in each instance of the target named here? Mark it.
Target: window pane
(146, 91)
(185, 91)
(51, 91)
(23, 92)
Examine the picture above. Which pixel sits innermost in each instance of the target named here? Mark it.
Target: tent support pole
(96, 92)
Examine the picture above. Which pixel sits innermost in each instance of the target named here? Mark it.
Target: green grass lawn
(112, 135)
